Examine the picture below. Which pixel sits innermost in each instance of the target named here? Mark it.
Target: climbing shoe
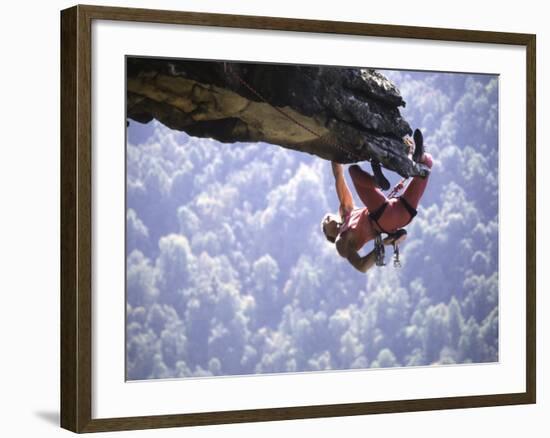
(418, 145)
(379, 177)
(396, 237)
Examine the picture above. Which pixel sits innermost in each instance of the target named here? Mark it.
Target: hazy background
(229, 273)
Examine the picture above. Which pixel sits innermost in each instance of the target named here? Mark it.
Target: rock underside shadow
(346, 115)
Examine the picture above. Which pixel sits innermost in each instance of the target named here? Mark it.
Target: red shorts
(395, 215)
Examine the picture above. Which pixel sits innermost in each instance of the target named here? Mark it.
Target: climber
(354, 227)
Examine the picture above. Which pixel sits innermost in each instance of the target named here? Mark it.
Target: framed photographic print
(268, 218)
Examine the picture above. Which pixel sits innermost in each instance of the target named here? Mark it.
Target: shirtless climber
(354, 227)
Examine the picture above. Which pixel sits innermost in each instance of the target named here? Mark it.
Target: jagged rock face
(341, 114)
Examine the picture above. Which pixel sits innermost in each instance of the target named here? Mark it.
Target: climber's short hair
(326, 219)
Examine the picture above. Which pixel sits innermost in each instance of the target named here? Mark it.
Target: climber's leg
(366, 189)
(396, 215)
(379, 178)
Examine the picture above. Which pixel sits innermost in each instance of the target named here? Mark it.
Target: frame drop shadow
(51, 417)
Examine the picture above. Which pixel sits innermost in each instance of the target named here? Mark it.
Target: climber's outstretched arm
(361, 263)
(342, 189)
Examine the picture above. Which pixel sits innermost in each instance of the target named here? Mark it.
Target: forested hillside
(229, 273)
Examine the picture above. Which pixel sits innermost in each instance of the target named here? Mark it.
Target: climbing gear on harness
(398, 237)
(398, 187)
(396, 261)
(379, 251)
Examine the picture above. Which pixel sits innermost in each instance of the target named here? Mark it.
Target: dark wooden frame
(76, 218)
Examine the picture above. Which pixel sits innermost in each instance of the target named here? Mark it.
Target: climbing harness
(396, 235)
(375, 216)
(380, 251)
